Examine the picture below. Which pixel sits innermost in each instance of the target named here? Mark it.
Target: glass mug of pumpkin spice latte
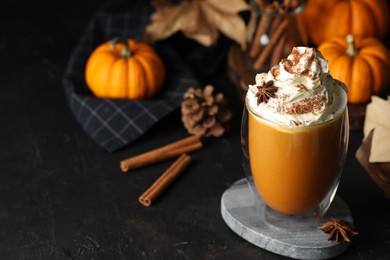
(294, 135)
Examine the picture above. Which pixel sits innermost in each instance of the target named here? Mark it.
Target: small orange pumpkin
(123, 68)
(325, 19)
(362, 63)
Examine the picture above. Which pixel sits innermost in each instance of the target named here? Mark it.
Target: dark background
(64, 197)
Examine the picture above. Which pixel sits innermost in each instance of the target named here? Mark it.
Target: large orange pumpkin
(362, 63)
(124, 68)
(325, 19)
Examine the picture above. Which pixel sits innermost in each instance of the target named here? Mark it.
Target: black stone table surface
(64, 197)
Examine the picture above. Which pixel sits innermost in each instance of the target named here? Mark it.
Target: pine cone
(205, 114)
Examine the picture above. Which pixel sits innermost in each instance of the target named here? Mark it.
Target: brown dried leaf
(225, 18)
(198, 20)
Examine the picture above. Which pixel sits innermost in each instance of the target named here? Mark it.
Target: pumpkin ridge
(338, 72)
(159, 65)
(157, 61)
(383, 55)
(379, 51)
(329, 52)
(362, 79)
(381, 13)
(371, 41)
(99, 73)
(314, 21)
(150, 83)
(143, 48)
(117, 78)
(341, 14)
(148, 52)
(372, 73)
(332, 42)
(376, 54)
(361, 16)
(138, 76)
(145, 52)
(377, 78)
(103, 81)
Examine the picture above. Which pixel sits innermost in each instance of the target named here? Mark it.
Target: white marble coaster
(240, 214)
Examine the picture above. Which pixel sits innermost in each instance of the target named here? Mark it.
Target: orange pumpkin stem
(351, 49)
(126, 51)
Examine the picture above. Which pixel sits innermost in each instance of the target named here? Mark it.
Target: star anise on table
(265, 91)
(338, 228)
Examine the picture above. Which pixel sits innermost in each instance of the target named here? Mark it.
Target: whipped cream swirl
(307, 94)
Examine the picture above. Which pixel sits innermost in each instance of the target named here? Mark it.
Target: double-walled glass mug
(293, 172)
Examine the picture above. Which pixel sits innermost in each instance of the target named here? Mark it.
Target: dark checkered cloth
(114, 123)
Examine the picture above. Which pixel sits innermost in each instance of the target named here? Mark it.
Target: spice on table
(185, 145)
(165, 180)
(338, 228)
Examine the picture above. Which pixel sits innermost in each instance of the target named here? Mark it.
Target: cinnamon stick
(263, 25)
(164, 180)
(261, 3)
(292, 4)
(277, 54)
(287, 3)
(268, 48)
(185, 145)
(282, 11)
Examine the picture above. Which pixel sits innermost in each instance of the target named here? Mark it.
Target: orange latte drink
(295, 121)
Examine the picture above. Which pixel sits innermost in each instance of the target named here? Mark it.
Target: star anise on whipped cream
(338, 228)
(265, 91)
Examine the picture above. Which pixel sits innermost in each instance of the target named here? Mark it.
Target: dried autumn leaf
(200, 20)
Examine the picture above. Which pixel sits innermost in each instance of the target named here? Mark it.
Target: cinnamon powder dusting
(301, 87)
(275, 72)
(307, 105)
(292, 63)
